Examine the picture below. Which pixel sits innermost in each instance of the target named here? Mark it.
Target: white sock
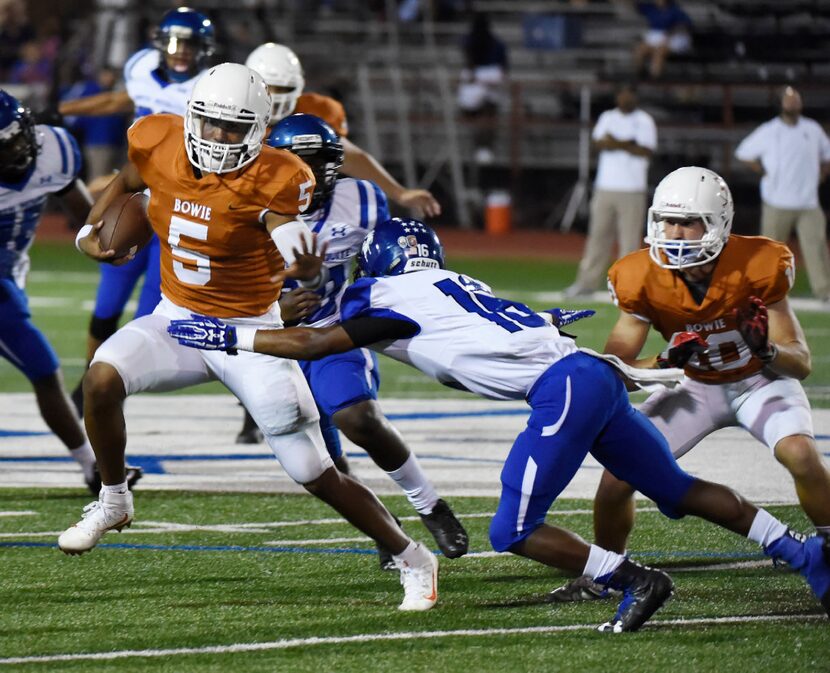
(414, 555)
(85, 457)
(602, 562)
(114, 488)
(412, 480)
(765, 528)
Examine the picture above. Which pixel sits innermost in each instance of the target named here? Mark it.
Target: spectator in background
(32, 67)
(791, 153)
(102, 137)
(482, 81)
(626, 138)
(668, 33)
(15, 31)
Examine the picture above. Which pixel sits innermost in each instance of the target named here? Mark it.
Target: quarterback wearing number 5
(218, 198)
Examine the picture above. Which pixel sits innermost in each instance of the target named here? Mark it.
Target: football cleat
(645, 590)
(132, 472)
(582, 589)
(250, 432)
(112, 511)
(420, 584)
(448, 532)
(386, 559)
(807, 556)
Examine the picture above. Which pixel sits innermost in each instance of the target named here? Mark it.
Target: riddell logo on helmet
(674, 205)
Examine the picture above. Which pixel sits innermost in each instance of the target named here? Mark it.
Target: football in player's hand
(126, 226)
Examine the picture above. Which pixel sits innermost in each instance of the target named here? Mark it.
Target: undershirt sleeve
(367, 330)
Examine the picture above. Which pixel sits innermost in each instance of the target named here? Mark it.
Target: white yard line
(377, 637)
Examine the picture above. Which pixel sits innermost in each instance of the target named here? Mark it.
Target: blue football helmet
(18, 142)
(398, 246)
(316, 143)
(185, 40)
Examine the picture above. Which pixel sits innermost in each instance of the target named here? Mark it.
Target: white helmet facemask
(233, 98)
(689, 194)
(279, 67)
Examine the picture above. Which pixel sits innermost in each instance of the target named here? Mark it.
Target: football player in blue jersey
(452, 327)
(345, 386)
(158, 79)
(36, 161)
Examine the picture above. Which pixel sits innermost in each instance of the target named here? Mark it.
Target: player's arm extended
(128, 180)
(626, 340)
(106, 103)
(358, 163)
(297, 343)
(792, 355)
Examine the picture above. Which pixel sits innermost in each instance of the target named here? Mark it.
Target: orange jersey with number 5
(217, 257)
(325, 107)
(747, 266)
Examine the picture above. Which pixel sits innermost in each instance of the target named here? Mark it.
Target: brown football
(126, 226)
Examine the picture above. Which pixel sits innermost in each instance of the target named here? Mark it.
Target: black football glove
(681, 348)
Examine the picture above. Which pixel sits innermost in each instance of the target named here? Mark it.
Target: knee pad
(504, 536)
(103, 328)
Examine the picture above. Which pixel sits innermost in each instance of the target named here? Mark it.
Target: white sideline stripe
(405, 635)
(266, 527)
(25, 512)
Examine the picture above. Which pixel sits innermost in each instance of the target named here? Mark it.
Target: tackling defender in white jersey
(452, 328)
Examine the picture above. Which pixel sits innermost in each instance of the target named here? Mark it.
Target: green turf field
(219, 582)
(62, 280)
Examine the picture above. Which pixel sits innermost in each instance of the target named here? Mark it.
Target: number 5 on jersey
(197, 270)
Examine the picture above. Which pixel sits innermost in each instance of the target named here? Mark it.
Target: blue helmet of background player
(185, 40)
(400, 245)
(316, 143)
(18, 144)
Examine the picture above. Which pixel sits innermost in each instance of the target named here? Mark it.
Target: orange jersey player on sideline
(217, 196)
(721, 303)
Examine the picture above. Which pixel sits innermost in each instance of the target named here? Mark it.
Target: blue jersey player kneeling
(452, 328)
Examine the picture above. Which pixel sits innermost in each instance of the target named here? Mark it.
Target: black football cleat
(385, 560)
(133, 472)
(447, 530)
(250, 432)
(582, 589)
(645, 590)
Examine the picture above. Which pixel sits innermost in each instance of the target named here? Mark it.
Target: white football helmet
(233, 97)
(690, 193)
(279, 66)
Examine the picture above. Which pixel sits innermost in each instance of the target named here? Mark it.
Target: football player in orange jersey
(283, 73)
(217, 198)
(720, 301)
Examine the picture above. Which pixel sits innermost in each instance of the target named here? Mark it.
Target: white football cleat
(420, 584)
(112, 511)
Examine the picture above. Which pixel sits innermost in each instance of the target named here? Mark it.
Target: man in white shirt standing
(626, 138)
(792, 154)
